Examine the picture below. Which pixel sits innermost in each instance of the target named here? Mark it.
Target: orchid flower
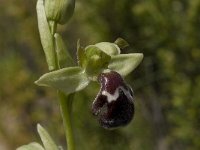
(101, 62)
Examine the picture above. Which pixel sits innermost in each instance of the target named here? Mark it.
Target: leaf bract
(68, 80)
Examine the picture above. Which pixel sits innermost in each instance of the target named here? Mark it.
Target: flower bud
(59, 11)
(114, 103)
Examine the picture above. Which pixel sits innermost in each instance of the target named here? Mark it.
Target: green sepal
(31, 146)
(108, 48)
(45, 35)
(125, 63)
(95, 60)
(47, 141)
(121, 43)
(59, 11)
(63, 57)
(68, 80)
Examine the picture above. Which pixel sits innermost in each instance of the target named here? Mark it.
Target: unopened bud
(59, 11)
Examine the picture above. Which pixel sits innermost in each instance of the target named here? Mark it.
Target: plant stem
(53, 26)
(66, 107)
(65, 101)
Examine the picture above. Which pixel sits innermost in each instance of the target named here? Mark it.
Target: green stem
(65, 107)
(65, 101)
(53, 27)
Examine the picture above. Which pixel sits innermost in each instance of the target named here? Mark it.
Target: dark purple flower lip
(114, 103)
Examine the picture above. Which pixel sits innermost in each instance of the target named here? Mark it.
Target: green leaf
(80, 54)
(45, 35)
(31, 146)
(46, 139)
(63, 56)
(68, 80)
(121, 43)
(108, 48)
(95, 61)
(125, 63)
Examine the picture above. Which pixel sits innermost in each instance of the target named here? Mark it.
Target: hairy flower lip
(111, 85)
(114, 103)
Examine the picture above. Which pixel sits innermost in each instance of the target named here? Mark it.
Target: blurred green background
(166, 84)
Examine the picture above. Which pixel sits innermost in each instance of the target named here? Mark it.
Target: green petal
(125, 63)
(121, 43)
(46, 139)
(108, 48)
(45, 35)
(68, 80)
(31, 146)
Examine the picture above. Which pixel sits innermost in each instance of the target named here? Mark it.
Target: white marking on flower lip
(113, 97)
